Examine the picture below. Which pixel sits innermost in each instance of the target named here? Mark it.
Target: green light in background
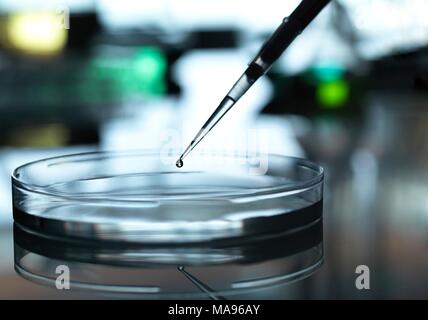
(142, 73)
(333, 94)
(149, 68)
(328, 72)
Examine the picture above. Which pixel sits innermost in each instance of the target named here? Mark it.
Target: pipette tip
(179, 163)
(189, 148)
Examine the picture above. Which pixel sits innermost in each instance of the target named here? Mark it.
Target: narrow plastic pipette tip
(221, 110)
(190, 147)
(180, 162)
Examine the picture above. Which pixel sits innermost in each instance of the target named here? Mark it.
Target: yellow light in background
(47, 135)
(37, 33)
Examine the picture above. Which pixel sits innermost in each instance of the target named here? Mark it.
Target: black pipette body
(280, 40)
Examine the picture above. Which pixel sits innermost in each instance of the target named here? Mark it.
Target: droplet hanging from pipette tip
(179, 163)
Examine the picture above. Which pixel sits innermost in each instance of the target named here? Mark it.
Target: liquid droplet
(180, 268)
(179, 163)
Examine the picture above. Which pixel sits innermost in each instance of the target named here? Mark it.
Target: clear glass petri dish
(141, 197)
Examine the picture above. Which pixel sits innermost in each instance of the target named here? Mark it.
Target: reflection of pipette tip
(200, 285)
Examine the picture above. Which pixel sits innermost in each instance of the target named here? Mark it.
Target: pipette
(280, 40)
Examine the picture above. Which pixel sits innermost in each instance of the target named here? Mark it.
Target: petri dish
(141, 197)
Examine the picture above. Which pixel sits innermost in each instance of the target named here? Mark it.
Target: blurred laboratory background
(350, 93)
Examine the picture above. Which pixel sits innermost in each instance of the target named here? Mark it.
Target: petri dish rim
(253, 192)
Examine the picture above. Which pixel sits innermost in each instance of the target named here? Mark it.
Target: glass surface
(142, 196)
(259, 268)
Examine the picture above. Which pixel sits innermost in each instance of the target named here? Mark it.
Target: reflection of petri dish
(142, 197)
(257, 268)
